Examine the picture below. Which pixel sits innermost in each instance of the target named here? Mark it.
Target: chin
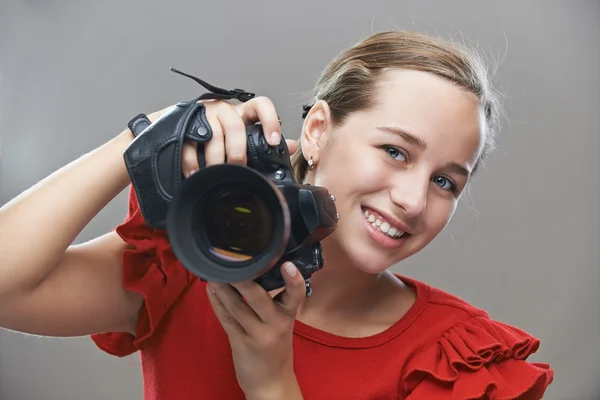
(359, 256)
(367, 249)
(371, 265)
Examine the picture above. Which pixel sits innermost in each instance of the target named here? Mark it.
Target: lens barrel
(228, 223)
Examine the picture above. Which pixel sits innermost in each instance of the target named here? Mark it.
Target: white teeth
(383, 226)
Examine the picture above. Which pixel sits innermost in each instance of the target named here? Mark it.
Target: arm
(288, 390)
(48, 286)
(81, 295)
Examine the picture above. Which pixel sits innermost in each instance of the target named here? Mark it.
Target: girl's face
(398, 169)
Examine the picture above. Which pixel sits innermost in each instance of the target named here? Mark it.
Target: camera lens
(238, 225)
(228, 223)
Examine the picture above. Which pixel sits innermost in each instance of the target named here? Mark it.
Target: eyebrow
(459, 169)
(410, 138)
(420, 143)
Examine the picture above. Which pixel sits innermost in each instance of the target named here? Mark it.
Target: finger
(235, 306)
(189, 158)
(295, 289)
(275, 292)
(258, 299)
(229, 323)
(234, 131)
(214, 149)
(292, 146)
(262, 109)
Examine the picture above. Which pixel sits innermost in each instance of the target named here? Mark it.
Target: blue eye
(394, 153)
(444, 183)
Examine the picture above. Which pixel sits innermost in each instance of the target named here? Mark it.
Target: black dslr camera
(226, 222)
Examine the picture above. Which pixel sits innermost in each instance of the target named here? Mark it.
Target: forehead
(447, 117)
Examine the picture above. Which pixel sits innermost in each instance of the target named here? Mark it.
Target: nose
(411, 196)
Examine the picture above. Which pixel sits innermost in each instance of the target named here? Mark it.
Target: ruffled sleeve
(478, 359)
(150, 269)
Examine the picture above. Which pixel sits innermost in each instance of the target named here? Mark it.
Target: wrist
(119, 145)
(281, 390)
(125, 137)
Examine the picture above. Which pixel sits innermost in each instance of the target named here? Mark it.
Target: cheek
(439, 214)
(350, 183)
(353, 168)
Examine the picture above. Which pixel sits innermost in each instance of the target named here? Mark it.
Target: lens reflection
(238, 225)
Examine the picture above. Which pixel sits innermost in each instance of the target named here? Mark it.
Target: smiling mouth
(382, 225)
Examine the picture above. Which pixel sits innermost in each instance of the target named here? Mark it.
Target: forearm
(38, 226)
(284, 390)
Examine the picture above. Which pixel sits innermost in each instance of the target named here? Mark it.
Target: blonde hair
(348, 83)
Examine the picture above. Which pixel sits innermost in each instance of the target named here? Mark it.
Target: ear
(314, 131)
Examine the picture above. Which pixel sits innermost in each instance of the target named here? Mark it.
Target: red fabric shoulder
(150, 269)
(478, 359)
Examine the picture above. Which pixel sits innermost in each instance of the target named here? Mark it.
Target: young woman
(399, 125)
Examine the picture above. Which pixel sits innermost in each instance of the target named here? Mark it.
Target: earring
(311, 163)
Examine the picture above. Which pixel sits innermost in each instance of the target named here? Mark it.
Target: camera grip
(153, 158)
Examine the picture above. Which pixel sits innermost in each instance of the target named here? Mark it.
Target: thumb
(295, 289)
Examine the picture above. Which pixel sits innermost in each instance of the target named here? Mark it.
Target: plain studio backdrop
(524, 244)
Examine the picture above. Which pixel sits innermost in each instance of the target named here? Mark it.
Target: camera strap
(153, 158)
(140, 122)
(217, 93)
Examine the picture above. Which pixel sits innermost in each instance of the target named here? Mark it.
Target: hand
(229, 133)
(260, 331)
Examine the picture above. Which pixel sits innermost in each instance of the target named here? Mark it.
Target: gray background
(524, 245)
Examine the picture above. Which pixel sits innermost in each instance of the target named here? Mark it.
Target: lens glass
(237, 224)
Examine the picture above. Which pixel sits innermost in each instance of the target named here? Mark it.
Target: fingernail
(290, 269)
(192, 172)
(275, 137)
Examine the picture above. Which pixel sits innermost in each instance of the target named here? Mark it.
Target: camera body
(228, 222)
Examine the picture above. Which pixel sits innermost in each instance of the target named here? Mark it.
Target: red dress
(443, 348)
